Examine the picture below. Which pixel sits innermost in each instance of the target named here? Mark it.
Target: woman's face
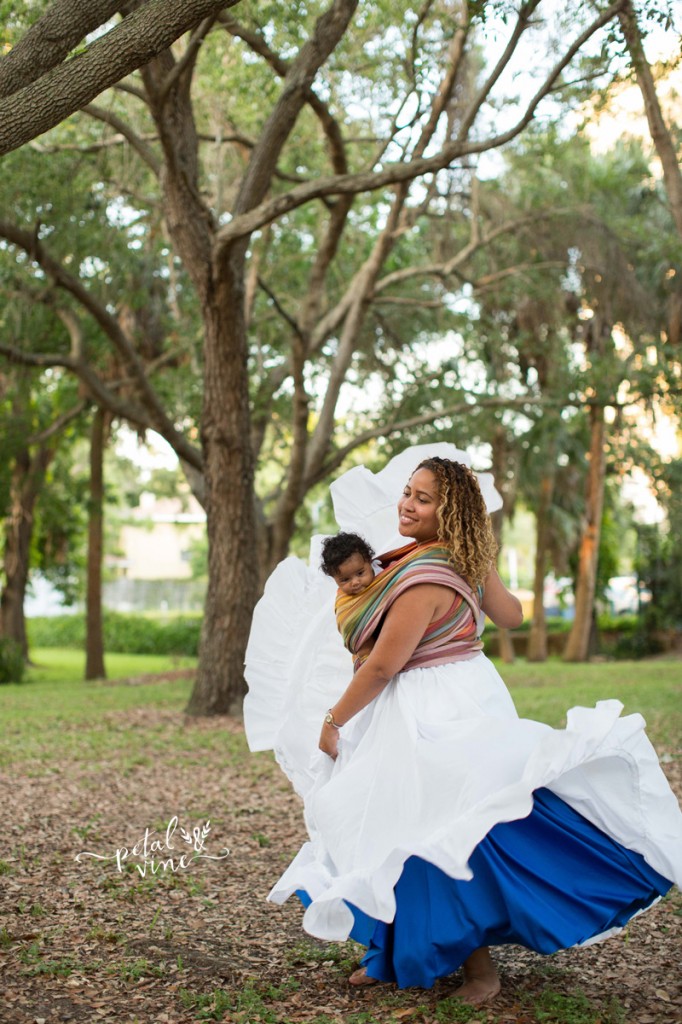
(417, 515)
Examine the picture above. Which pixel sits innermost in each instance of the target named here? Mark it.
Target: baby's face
(354, 575)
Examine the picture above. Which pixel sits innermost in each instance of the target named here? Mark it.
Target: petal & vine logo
(161, 854)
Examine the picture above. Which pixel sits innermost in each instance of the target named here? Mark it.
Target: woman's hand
(329, 740)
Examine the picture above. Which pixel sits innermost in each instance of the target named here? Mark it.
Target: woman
(439, 822)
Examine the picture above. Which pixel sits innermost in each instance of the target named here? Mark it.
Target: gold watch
(329, 719)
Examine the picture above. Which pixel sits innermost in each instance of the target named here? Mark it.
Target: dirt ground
(83, 942)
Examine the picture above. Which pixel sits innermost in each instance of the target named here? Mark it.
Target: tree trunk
(230, 503)
(217, 269)
(537, 640)
(284, 520)
(578, 643)
(27, 480)
(502, 467)
(660, 135)
(94, 639)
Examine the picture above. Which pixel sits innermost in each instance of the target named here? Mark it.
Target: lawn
(653, 688)
(88, 767)
(54, 689)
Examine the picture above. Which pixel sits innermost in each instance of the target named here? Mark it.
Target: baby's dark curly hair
(336, 550)
(463, 522)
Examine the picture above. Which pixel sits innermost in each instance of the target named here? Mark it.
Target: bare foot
(481, 982)
(361, 977)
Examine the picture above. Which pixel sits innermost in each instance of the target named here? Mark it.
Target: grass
(60, 664)
(652, 688)
(54, 714)
(552, 1007)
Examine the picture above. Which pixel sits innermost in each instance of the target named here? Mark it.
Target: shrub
(127, 634)
(639, 644)
(617, 623)
(11, 661)
(57, 631)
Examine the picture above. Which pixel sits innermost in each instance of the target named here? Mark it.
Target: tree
(94, 634)
(32, 429)
(660, 134)
(659, 560)
(582, 269)
(220, 248)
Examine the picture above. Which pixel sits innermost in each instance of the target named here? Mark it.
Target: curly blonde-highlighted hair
(463, 522)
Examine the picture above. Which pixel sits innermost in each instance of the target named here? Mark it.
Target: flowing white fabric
(439, 758)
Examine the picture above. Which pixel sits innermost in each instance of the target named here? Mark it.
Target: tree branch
(444, 270)
(280, 309)
(354, 303)
(329, 29)
(108, 324)
(120, 139)
(58, 425)
(488, 280)
(65, 88)
(386, 429)
(520, 27)
(243, 224)
(103, 395)
(132, 90)
(124, 129)
(189, 57)
(50, 39)
(34, 248)
(660, 135)
(281, 67)
(403, 300)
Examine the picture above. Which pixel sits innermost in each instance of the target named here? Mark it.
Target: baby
(347, 558)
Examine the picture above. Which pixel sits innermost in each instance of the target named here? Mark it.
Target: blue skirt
(547, 882)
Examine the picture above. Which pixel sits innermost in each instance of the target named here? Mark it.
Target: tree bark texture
(94, 637)
(27, 480)
(230, 504)
(68, 86)
(660, 135)
(49, 40)
(578, 643)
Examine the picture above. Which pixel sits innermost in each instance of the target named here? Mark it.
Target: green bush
(617, 623)
(11, 661)
(635, 645)
(57, 631)
(127, 634)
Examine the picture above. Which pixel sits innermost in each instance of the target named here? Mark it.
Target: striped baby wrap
(453, 637)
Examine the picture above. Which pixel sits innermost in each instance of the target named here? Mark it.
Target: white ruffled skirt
(447, 822)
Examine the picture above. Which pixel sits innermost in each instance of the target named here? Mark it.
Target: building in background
(152, 569)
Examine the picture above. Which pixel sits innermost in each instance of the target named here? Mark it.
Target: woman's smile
(417, 509)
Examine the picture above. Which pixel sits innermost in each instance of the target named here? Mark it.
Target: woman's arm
(499, 604)
(404, 626)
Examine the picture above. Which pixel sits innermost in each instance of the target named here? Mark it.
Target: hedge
(127, 634)
(179, 635)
